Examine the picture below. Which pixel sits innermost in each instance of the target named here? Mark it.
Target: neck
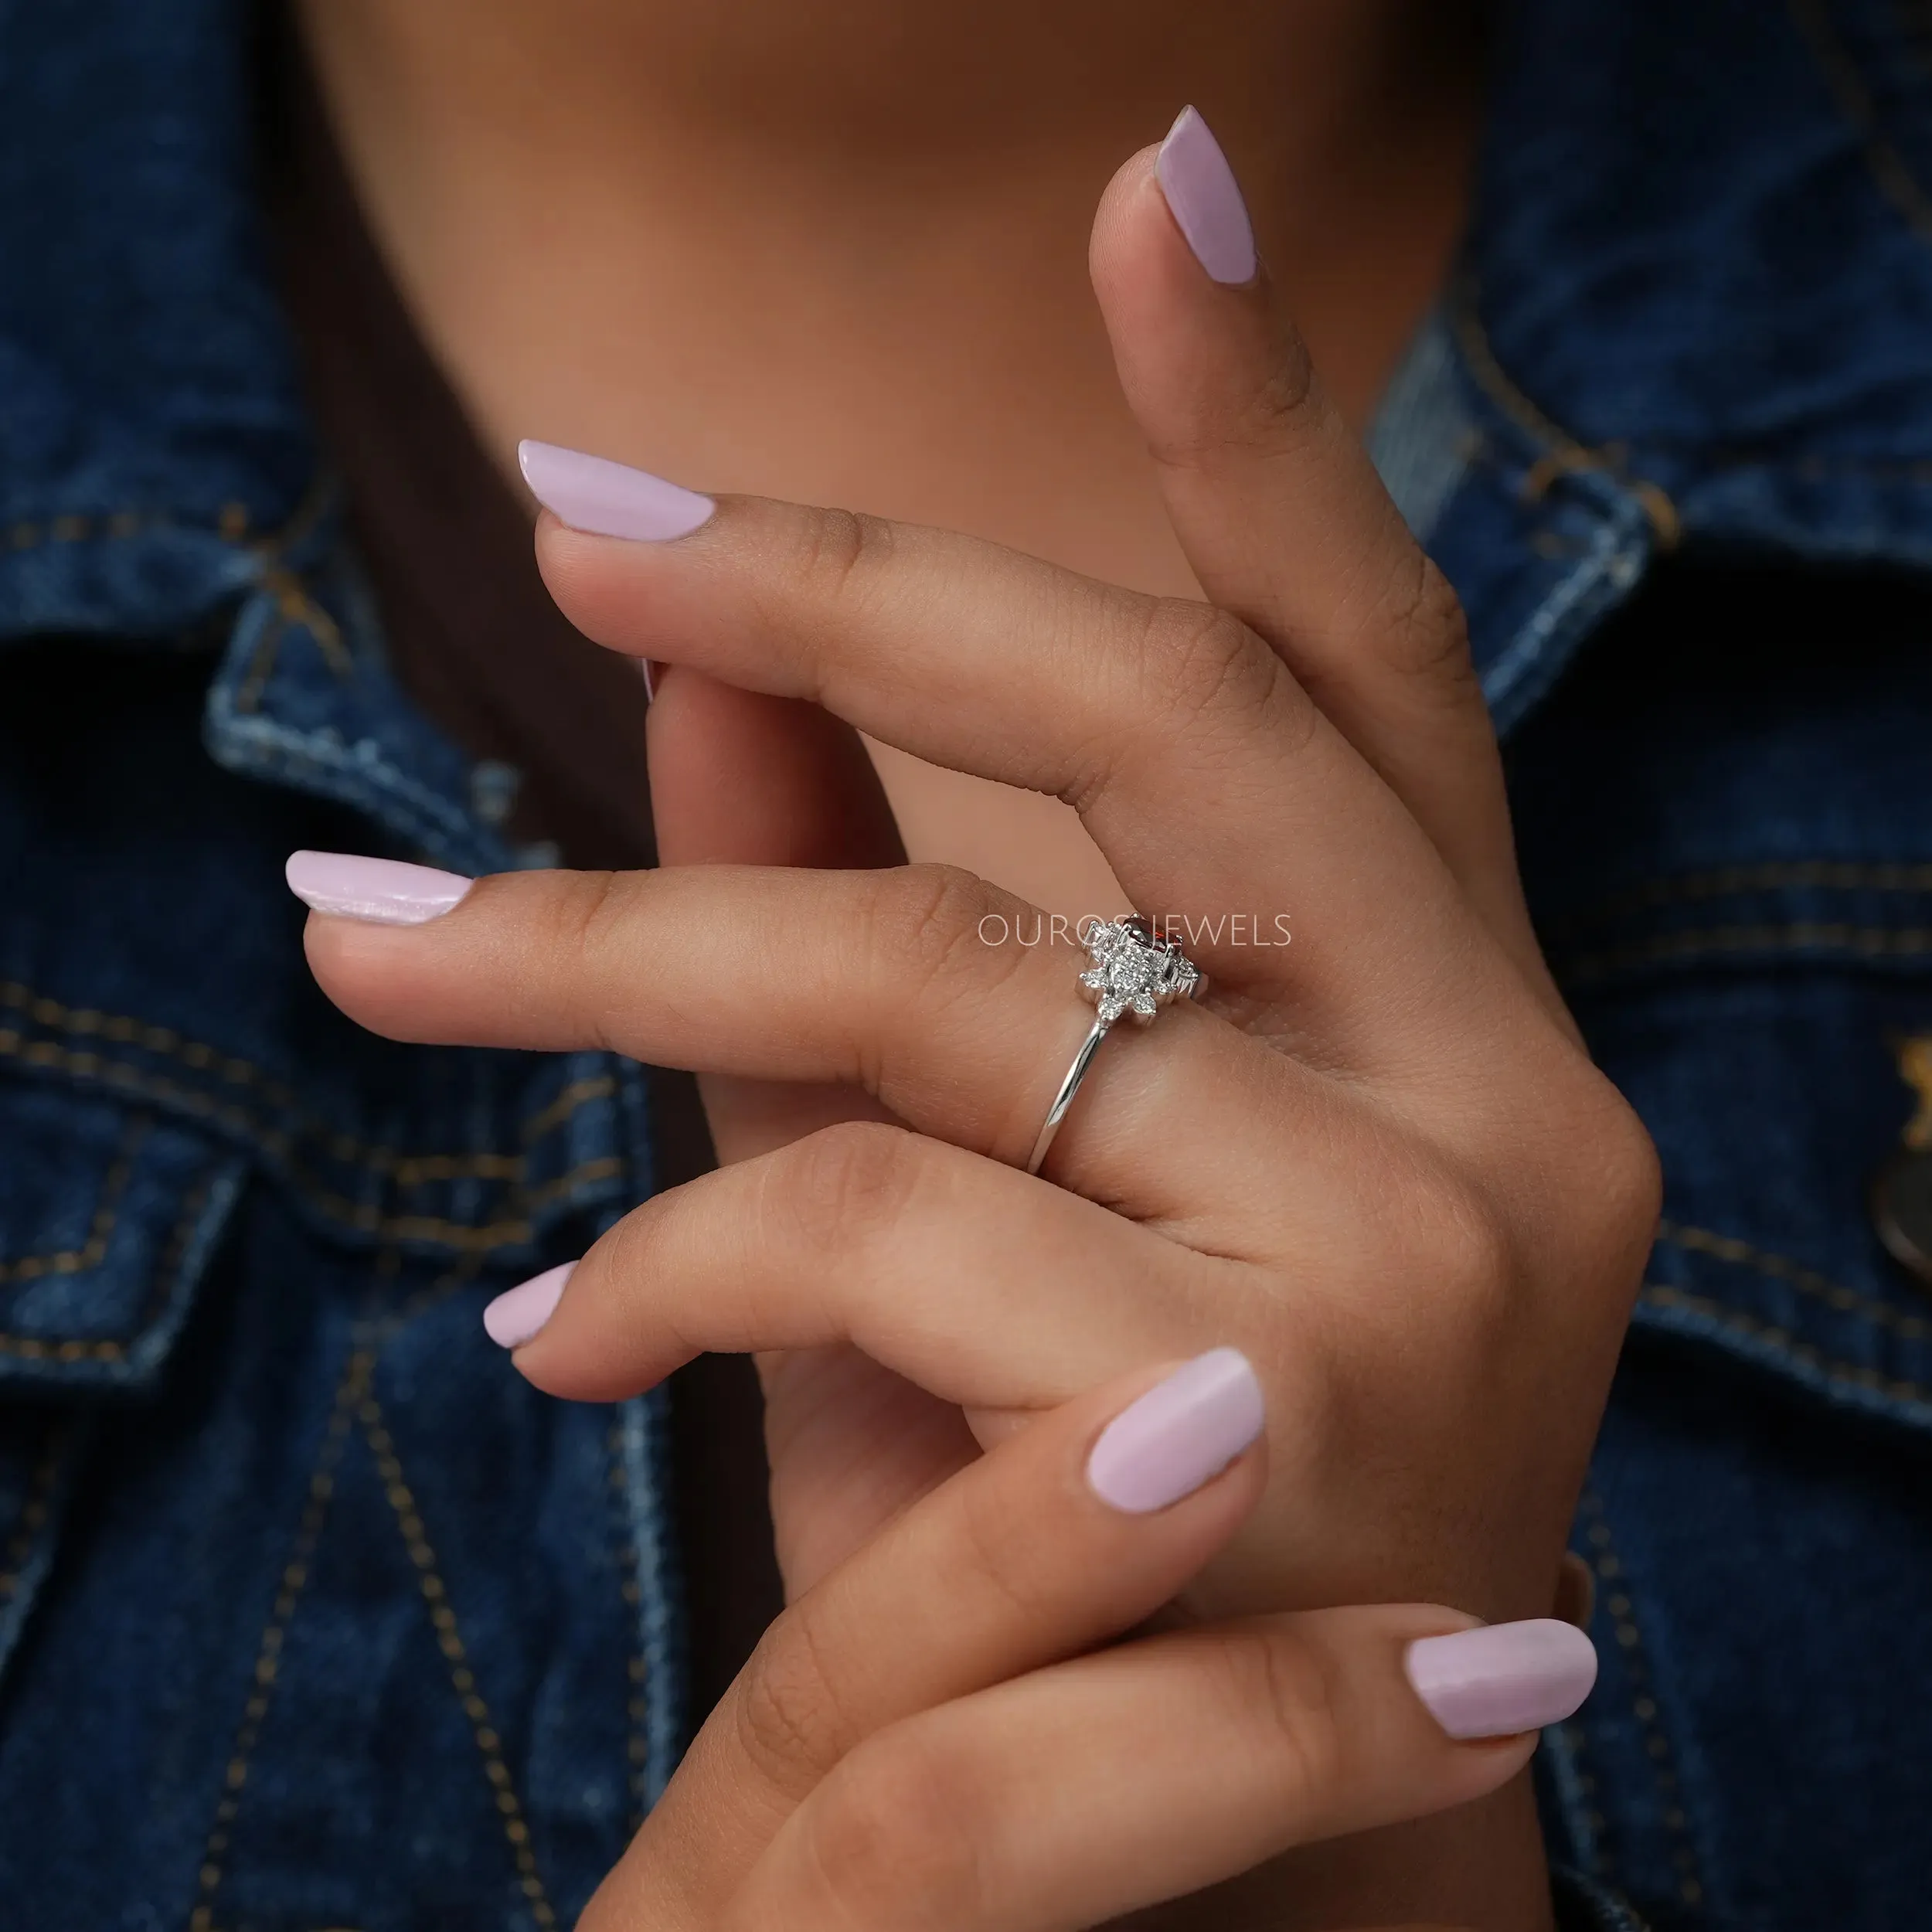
(609, 217)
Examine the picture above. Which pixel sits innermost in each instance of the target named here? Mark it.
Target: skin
(1318, 747)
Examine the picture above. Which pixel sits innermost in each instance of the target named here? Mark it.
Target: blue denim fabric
(310, 1614)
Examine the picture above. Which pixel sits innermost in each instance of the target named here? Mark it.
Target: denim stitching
(296, 604)
(601, 1086)
(636, 1706)
(261, 662)
(1888, 167)
(1644, 1706)
(1576, 1789)
(644, 1424)
(450, 1640)
(1782, 1342)
(30, 1267)
(126, 1031)
(408, 1171)
(174, 1258)
(502, 1233)
(1835, 1294)
(232, 523)
(268, 1651)
(293, 606)
(1865, 942)
(1563, 453)
(117, 527)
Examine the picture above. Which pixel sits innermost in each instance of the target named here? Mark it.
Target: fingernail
(593, 494)
(1184, 1430)
(1502, 1679)
(650, 680)
(1207, 209)
(516, 1314)
(383, 891)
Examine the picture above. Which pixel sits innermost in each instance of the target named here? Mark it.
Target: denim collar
(1694, 310)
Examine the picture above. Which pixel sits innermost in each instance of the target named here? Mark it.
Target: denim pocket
(108, 1216)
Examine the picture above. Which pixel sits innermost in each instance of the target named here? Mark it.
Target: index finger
(1203, 773)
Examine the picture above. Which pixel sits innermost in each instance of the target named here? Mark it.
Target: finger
(1288, 526)
(921, 985)
(1202, 771)
(1152, 1771)
(1064, 1536)
(739, 778)
(930, 1260)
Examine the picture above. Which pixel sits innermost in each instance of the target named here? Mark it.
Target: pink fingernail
(383, 891)
(593, 494)
(517, 1313)
(1183, 1431)
(1206, 201)
(1502, 1679)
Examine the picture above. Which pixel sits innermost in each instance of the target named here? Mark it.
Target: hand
(1378, 1159)
(928, 1737)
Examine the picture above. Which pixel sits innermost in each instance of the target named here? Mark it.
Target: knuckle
(1277, 407)
(845, 1182)
(1421, 620)
(893, 1836)
(593, 921)
(927, 931)
(836, 554)
(1269, 414)
(1454, 1236)
(1617, 1191)
(1293, 1690)
(1206, 662)
(1012, 1553)
(788, 1716)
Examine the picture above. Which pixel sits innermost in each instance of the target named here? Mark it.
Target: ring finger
(886, 980)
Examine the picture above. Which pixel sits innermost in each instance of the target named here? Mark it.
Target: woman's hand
(911, 1746)
(1377, 1158)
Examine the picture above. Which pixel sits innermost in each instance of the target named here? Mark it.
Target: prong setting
(1134, 972)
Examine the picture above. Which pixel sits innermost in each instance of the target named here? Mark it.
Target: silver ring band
(1134, 972)
(1068, 1087)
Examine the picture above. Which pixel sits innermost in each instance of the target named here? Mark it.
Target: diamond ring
(1134, 972)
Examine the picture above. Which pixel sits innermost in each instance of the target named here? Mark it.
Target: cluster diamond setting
(1134, 971)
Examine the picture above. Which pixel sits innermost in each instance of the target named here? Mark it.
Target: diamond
(1133, 971)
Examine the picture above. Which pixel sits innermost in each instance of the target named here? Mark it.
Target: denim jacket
(312, 1615)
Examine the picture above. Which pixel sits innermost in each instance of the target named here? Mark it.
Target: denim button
(1902, 1210)
(1902, 1193)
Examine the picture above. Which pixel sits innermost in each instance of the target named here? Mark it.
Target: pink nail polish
(1205, 200)
(1502, 1678)
(517, 1313)
(1179, 1435)
(603, 498)
(383, 891)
